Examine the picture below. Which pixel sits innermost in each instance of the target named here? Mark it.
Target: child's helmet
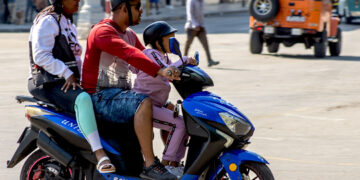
(115, 3)
(156, 31)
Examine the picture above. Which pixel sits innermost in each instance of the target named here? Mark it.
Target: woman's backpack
(60, 51)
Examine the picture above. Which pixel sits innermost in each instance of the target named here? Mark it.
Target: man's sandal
(101, 168)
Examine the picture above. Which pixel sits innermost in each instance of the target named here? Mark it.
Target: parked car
(292, 21)
(349, 9)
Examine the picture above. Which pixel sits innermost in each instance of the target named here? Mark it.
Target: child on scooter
(157, 35)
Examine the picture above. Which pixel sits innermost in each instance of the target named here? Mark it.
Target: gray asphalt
(305, 110)
(227, 23)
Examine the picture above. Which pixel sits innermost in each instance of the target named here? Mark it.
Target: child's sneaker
(157, 171)
(177, 171)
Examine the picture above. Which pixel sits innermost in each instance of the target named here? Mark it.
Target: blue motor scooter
(219, 134)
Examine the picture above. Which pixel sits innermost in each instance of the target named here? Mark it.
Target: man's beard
(136, 22)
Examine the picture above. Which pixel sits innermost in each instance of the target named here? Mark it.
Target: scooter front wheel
(255, 170)
(250, 170)
(41, 166)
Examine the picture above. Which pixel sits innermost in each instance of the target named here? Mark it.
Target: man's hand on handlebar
(170, 73)
(71, 81)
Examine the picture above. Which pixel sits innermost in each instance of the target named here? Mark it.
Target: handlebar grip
(196, 56)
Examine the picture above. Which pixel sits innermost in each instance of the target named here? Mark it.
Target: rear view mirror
(175, 46)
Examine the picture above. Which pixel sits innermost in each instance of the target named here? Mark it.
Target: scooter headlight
(235, 124)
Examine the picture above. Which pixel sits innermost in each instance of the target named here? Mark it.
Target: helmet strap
(128, 7)
(161, 45)
(167, 58)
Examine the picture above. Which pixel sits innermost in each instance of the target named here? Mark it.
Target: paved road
(306, 110)
(228, 23)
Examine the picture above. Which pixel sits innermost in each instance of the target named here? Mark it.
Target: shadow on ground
(312, 57)
(229, 69)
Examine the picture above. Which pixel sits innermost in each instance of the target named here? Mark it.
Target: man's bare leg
(144, 130)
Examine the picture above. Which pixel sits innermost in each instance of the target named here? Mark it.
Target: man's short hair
(117, 4)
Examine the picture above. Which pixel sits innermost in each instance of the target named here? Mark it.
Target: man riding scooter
(111, 48)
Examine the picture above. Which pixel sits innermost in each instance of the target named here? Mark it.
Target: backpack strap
(157, 60)
(57, 17)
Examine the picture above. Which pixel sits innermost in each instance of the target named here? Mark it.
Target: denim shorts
(116, 105)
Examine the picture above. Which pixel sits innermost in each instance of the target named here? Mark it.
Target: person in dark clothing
(168, 4)
(156, 4)
(6, 11)
(29, 11)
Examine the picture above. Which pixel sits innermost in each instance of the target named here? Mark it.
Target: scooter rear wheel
(41, 166)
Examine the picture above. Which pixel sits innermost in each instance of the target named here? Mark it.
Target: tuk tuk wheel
(273, 47)
(256, 42)
(335, 47)
(320, 46)
(264, 10)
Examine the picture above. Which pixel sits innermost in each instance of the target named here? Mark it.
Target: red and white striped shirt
(108, 55)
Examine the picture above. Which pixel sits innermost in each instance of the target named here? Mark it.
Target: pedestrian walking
(6, 11)
(168, 4)
(11, 4)
(195, 28)
(156, 4)
(29, 11)
(34, 5)
(40, 4)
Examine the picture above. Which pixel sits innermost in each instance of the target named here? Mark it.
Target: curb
(184, 16)
(14, 28)
(26, 28)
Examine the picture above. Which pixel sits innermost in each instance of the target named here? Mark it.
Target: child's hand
(170, 106)
(192, 61)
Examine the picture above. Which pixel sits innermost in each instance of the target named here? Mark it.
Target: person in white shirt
(195, 28)
(55, 71)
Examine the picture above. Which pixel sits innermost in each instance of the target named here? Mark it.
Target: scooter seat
(21, 99)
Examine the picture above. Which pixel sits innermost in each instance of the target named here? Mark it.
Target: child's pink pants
(174, 147)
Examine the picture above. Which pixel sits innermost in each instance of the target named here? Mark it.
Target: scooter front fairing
(207, 105)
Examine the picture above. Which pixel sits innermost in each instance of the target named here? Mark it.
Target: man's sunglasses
(137, 6)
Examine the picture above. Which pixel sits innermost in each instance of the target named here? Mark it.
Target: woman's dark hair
(56, 7)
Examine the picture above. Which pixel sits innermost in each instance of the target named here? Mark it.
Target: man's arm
(107, 39)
